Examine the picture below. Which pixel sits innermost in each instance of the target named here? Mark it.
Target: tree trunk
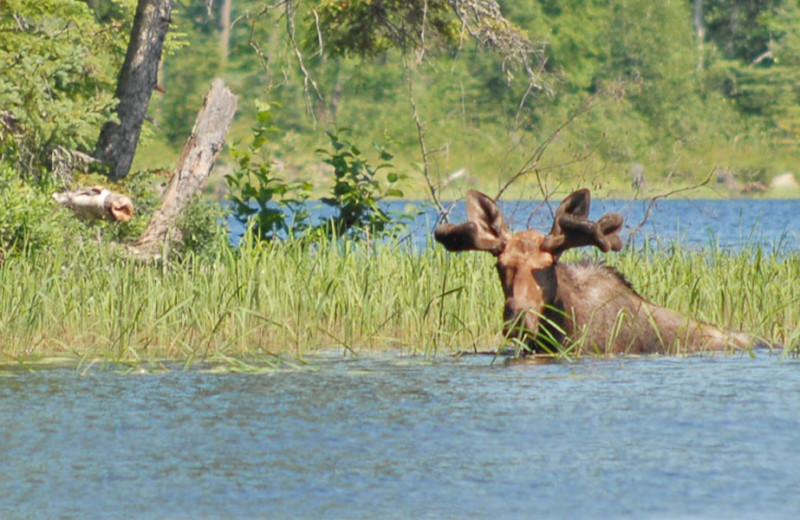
(225, 32)
(137, 79)
(192, 171)
(700, 32)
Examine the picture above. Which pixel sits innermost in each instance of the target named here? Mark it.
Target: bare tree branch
(653, 201)
(320, 42)
(532, 164)
(421, 52)
(307, 79)
(421, 137)
(192, 172)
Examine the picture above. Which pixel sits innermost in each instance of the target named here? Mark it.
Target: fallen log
(97, 203)
(191, 173)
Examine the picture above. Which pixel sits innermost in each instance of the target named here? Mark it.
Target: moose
(582, 307)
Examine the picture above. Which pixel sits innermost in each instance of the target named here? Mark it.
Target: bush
(29, 219)
(203, 228)
(57, 78)
(277, 208)
(273, 206)
(357, 190)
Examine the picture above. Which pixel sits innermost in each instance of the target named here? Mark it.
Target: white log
(97, 203)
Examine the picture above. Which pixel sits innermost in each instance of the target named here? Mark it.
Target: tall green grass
(262, 300)
(287, 300)
(753, 290)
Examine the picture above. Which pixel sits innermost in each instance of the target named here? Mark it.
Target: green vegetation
(728, 101)
(278, 208)
(57, 78)
(590, 84)
(552, 94)
(269, 301)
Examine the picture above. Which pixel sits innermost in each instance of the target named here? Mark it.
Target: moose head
(526, 261)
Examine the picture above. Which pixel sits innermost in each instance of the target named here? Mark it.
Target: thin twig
(321, 50)
(653, 200)
(421, 53)
(421, 138)
(307, 79)
(531, 165)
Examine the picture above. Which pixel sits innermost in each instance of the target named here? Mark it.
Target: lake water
(694, 223)
(395, 437)
(398, 437)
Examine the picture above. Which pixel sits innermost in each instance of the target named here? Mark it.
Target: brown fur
(582, 307)
(599, 312)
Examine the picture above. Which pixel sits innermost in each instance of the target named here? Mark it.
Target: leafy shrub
(57, 77)
(357, 189)
(203, 228)
(29, 219)
(275, 208)
(260, 198)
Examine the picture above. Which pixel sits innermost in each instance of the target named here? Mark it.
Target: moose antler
(485, 230)
(571, 228)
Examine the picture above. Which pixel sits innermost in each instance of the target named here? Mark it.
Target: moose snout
(520, 317)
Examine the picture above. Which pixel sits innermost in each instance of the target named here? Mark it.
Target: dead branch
(307, 79)
(532, 163)
(653, 201)
(192, 172)
(421, 138)
(96, 203)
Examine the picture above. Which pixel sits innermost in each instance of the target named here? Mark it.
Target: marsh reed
(289, 301)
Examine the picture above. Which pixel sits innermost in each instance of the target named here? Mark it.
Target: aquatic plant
(270, 301)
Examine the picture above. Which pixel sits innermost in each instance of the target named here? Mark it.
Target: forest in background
(428, 97)
(676, 89)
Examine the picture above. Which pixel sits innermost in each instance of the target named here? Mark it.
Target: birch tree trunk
(225, 31)
(700, 32)
(192, 172)
(137, 79)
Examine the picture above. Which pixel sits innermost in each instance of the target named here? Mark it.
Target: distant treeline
(619, 91)
(674, 89)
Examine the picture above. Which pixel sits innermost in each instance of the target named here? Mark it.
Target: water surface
(699, 437)
(694, 223)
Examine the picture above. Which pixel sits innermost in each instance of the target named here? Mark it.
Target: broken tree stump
(192, 172)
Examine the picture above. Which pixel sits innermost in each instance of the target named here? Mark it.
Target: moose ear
(485, 230)
(576, 205)
(571, 228)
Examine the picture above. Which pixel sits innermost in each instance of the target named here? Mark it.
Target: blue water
(396, 437)
(649, 438)
(694, 223)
